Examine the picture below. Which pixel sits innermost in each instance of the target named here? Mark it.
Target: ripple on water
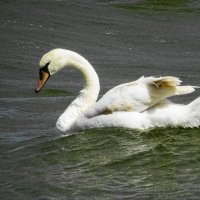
(109, 163)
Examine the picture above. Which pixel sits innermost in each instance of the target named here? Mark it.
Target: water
(105, 164)
(122, 45)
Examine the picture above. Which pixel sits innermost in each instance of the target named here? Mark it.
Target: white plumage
(139, 95)
(140, 104)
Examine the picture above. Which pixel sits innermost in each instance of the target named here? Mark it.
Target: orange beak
(44, 76)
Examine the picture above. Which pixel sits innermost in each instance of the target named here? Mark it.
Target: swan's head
(50, 64)
(56, 59)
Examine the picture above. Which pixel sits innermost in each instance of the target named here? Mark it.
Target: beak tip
(37, 90)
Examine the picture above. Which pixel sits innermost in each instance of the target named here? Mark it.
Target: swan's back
(139, 95)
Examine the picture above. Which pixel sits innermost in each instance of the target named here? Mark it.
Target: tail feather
(181, 90)
(194, 113)
(195, 105)
(173, 83)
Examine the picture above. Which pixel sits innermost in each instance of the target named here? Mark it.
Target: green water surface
(110, 164)
(158, 6)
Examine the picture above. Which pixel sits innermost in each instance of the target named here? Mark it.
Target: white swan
(140, 104)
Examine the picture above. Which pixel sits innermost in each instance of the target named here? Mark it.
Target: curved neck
(87, 96)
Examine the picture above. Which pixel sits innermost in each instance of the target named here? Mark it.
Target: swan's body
(139, 104)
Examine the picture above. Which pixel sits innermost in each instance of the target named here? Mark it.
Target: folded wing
(139, 95)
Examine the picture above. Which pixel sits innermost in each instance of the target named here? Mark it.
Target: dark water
(122, 45)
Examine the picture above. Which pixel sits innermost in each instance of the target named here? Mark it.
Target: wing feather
(139, 95)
